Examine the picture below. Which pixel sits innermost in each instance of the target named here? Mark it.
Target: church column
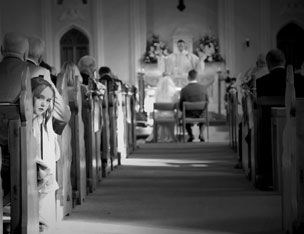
(47, 34)
(227, 33)
(138, 36)
(98, 43)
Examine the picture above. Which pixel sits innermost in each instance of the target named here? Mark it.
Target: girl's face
(43, 101)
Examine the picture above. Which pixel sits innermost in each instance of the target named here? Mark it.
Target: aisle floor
(177, 189)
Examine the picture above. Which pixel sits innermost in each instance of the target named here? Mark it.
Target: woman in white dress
(166, 92)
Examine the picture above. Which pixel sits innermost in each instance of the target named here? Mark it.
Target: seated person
(193, 92)
(165, 92)
(273, 83)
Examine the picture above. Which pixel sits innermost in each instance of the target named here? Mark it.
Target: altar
(212, 78)
(211, 73)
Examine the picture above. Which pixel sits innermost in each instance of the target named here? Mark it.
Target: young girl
(46, 149)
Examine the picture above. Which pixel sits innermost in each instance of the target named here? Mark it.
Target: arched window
(73, 45)
(290, 40)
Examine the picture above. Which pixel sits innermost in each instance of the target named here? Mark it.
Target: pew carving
(78, 167)
(16, 110)
(113, 126)
(131, 119)
(97, 130)
(233, 117)
(89, 136)
(64, 193)
(121, 123)
(247, 137)
(105, 158)
(292, 160)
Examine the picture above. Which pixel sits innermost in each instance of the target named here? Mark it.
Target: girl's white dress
(47, 150)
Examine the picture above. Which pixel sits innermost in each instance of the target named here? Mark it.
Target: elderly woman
(87, 68)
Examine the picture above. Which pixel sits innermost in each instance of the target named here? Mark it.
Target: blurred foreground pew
(16, 110)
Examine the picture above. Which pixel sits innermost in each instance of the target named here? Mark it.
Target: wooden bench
(121, 123)
(262, 161)
(78, 166)
(232, 112)
(16, 110)
(64, 194)
(247, 149)
(131, 119)
(293, 161)
(105, 136)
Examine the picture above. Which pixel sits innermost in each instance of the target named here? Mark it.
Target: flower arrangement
(155, 49)
(208, 49)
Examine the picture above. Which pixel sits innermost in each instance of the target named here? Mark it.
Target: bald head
(275, 58)
(15, 44)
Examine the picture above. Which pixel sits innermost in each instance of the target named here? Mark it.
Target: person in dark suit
(193, 92)
(274, 83)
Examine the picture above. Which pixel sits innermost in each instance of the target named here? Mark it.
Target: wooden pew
(233, 118)
(1, 195)
(97, 130)
(278, 119)
(16, 127)
(64, 193)
(293, 161)
(112, 108)
(105, 136)
(131, 119)
(247, 126)
(78, 167)
(93, 159)
(121, 122)
(261, 160)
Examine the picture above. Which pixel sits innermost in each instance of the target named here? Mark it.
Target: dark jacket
(193, 92)
(272, 84)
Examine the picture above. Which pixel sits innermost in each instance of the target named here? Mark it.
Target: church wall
(284, 12)
(247, 25)
(23, 16)
(163, 18)
(116, 49)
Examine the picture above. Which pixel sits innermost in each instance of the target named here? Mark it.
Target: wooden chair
(171, 107)
(187, 106)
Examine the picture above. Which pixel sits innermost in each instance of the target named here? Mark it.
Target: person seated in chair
(193, 92)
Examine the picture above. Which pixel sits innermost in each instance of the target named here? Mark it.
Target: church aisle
(177, 188)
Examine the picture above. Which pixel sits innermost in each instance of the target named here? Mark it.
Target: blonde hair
(69, 71)
(38, 85)
(165, 90)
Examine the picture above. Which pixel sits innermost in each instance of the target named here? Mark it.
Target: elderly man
(61, 114)
(274, 83)
(193, 92)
